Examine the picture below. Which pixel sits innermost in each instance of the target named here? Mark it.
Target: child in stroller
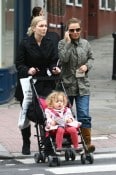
(60, 120)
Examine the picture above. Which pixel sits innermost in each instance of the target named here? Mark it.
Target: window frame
(69, 3)
(78, 4)
(105, 7)
(75, 2)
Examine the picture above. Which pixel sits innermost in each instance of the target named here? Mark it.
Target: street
(104, 164)
(102, 110)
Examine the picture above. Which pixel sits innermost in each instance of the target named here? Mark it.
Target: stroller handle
(46, 78)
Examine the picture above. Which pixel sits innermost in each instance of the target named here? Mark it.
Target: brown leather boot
(86, 133)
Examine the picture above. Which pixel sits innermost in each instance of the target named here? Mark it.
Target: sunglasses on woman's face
(73, 30)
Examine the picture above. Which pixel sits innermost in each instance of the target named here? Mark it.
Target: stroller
(46, 143)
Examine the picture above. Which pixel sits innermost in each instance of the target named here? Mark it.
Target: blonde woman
(36, 54)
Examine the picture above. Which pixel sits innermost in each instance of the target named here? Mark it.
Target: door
(92, 18)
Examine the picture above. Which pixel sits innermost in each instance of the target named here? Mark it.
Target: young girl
(60, 117)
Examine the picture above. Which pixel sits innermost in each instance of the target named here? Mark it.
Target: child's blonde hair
(34, 22)
(53, 96)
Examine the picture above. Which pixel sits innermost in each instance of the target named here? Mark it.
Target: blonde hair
(34, 22)
(53, 96)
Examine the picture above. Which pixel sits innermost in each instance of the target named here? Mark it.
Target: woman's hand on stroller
(33, 71)
(56, 70)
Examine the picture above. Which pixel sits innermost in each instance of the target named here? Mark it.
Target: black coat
(30, 54)
(55, 39)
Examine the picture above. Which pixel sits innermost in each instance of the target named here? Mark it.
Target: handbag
(23, 121)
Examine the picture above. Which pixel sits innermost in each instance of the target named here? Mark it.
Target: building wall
(78, 12)
(106, 23)
(95, 22)
(55, 15)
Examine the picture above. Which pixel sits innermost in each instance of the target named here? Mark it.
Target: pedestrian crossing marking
(23, 169)
(26, 161)
(96, 156)
(105, 156)
(83, 169)
(38, 174)
(100, 138)
(10, 164)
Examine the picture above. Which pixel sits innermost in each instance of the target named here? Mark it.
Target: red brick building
(98, 16)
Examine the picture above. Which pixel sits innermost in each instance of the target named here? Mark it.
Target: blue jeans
(82, 108)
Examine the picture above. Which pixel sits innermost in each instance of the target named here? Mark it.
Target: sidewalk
(102, 108)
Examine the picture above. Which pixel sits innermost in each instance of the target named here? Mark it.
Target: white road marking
(10, 164)
(1, 160)
(26, 161)
(105, 156)
(83, 169)
(100, 138)
(23, 169)
(38, 174)
(96, 156)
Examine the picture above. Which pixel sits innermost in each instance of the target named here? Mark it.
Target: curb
(4, 154)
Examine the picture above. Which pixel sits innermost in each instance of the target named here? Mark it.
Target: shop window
(7, 33)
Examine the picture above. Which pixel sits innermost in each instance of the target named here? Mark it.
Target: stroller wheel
(72, 154)
(37, 157)
(50, 161)
(90, 158)
(53, 160)
(67, 155)
(83, 158)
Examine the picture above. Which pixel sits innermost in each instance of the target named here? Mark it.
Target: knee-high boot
(26, 133)
(86, 133)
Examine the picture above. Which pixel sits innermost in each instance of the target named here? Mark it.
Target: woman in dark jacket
(35, 56)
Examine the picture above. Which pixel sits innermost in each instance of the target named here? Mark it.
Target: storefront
(14, 21)
(7, 68)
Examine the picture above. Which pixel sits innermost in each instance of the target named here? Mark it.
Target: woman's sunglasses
(73, 30)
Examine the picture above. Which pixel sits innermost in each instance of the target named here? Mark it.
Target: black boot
(26, 133)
